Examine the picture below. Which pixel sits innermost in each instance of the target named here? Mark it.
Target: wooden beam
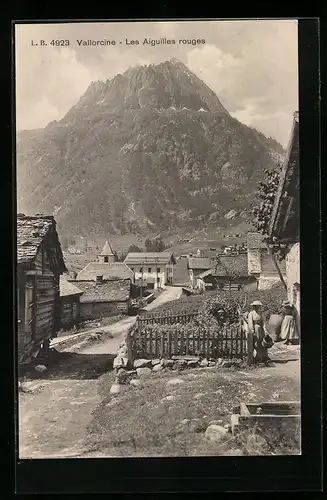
(276, 266)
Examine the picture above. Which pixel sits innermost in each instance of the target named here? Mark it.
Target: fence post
(250, 348)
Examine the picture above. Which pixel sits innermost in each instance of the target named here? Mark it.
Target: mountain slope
(150, 149)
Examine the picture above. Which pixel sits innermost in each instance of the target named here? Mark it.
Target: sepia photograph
(158, 243)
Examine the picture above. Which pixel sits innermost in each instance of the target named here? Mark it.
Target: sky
(252, 66)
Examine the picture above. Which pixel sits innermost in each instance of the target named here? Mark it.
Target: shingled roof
(229, 266)
(67, 288)
(139, 258)
(108, 271)
(106, 291)
(31, 232)
(255, 241)
(199, 263)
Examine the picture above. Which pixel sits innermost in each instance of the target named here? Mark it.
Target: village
(161, 353)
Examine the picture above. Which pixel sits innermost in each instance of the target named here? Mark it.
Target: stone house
(285, 221)
(40, 263)
(156, 269)
(260, 264)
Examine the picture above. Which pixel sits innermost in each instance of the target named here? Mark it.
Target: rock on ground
(175, 381)
(142, 363)
(157, 368)
(40, 368)
(143, 372)
(115, 388)
(135, 382)
(155, 362)
(215, 433)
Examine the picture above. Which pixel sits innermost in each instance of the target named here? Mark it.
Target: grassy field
(158, 419)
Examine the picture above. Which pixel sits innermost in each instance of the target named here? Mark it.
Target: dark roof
(139, 258)
(199, 262)
(67, 288)
(107, 291)
(31, 232)
(284, 225)
(109, 271)
(229, 265)
(255, 241)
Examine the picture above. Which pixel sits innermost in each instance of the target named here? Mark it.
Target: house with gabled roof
(40, 263)
(154, 268)
(230, 272)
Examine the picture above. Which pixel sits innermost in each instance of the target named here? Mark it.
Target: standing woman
(288, 331)
(256, 328)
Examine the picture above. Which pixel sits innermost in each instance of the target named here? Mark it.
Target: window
(106, 259)
(158, 269)
(149, 269)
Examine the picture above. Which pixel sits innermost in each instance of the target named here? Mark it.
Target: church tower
(107, 255)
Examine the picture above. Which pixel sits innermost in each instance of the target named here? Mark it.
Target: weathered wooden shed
(69, 304)
(40, 263)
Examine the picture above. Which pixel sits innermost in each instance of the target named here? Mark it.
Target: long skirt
(261, 353)
(288, 329)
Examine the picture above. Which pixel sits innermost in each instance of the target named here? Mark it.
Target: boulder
(143, 371)
(142, 363)
(204, 363)
(157, 368)
(40, 368)
(115, 388)
(135, 382)
(155, 362)
(220, 361)
(215, 433)
(175, 381)
(226, 364)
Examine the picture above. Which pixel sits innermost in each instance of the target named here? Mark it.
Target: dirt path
(118, 330)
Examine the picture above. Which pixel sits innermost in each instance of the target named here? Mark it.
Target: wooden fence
(229, 342)
(166, 319)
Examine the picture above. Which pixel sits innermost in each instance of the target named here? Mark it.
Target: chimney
(99, 279)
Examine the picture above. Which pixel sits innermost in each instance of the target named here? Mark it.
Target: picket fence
(228, 342)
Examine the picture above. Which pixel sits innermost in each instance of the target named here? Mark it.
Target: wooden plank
(169, 344)
(175, 341)
(162, 344)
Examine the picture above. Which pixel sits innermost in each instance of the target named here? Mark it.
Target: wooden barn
(40, 263)
(69, 304)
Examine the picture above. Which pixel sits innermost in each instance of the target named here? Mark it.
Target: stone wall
(254, 261)
(266, 282)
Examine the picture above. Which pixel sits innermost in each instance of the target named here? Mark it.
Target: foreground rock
(142, 363)
(215, 433)
(143, 372)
